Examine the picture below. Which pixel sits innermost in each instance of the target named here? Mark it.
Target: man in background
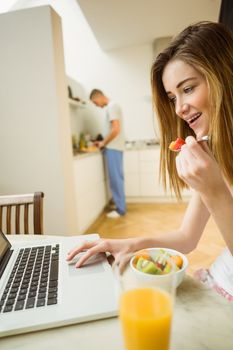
(113, 144)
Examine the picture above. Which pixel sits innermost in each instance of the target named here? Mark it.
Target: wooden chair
(15, 212)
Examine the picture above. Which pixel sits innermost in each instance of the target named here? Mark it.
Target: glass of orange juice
(146, 309)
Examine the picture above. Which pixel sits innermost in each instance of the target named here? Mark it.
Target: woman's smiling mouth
(192, 119)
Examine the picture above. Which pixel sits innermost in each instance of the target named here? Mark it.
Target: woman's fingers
(198, 149)
(204, 145)
(196, 164)
(85, 245)
(98, 248)
(181, 166)
(123, 263)
(193, 156)
(122, 260)
(118, 248)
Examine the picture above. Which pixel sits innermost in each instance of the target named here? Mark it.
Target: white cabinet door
(90, 189)
(131, 173)
(148, 185)
(90, 205)
(89, 171)
(149, 155)
(149, 172)
(132, 184)
(142, 175)
(131, 163)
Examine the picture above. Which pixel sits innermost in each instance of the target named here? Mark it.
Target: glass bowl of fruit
(155, 263)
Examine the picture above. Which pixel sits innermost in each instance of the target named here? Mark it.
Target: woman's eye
(188, 89)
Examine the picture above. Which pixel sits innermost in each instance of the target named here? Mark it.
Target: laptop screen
(4, 245)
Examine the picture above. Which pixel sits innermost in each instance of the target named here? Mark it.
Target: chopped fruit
(172, 146)
(178, 260)
(167, 268)
(141, 254)
(159, 263)
(139, 263)
(176, 145)
(150, 267)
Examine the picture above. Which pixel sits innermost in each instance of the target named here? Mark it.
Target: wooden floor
(151, 219)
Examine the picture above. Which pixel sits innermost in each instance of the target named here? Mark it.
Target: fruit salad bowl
(154, 264)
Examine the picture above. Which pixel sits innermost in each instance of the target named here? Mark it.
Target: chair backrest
(15, 212)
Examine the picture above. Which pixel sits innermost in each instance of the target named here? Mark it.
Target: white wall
(124, 74)
(35, 140)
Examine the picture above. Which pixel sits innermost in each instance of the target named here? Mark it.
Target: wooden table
(202, 320)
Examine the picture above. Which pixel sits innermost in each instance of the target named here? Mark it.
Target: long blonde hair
(208, 47)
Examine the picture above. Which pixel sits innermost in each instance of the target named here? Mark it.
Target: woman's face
(187, 90)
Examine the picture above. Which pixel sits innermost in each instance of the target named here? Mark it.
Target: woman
(192, 83)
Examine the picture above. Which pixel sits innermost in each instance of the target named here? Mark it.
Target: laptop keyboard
(33, 281)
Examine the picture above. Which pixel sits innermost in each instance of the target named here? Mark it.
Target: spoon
(201, 139)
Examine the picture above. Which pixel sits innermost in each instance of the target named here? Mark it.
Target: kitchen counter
(128, 147)
(86, 154)
(140, 146)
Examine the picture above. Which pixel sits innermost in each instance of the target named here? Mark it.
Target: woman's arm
(198, 168)
(187, 236)
(220, 205)
(184, 239)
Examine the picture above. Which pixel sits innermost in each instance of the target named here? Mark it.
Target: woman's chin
(201, 133)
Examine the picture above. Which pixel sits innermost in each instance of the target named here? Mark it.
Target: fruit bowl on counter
(154, 263)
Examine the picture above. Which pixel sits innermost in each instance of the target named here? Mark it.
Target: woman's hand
(197, 167)
(119, 248)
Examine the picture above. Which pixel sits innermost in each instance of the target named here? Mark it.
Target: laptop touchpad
(92, 265)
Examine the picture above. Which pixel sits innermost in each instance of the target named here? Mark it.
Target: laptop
(40, 290)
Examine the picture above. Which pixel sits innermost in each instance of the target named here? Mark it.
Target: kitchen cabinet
(141, 169)
(148, 170)
(131, 173)
(90, 188)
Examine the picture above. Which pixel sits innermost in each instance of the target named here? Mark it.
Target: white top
(113, 112)
(222, 271)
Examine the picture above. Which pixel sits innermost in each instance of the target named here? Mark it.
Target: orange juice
(145, 316)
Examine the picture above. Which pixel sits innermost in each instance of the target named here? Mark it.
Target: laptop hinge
(4, 261)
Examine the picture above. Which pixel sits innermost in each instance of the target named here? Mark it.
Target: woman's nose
(182, 109)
